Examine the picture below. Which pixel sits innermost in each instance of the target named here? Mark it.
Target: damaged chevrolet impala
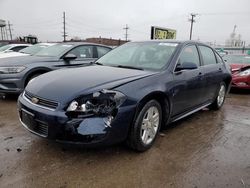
(127, 95)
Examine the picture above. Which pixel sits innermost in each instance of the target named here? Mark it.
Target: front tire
(146, 127)
(31, 78)
(220, 97)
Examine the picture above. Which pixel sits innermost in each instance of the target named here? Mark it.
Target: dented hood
(64, 85)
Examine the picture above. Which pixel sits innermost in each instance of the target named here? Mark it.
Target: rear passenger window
(189, 55)
(207, 55)
(102, 51)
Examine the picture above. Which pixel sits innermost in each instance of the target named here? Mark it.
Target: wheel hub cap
(150, 125)
(221, 95)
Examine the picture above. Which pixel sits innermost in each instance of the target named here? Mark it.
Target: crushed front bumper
(89, 131)
(242, 82)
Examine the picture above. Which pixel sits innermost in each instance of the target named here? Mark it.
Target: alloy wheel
(150, 125)
(221, 95)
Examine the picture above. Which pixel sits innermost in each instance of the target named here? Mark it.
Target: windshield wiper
(129, 67)
(98, 63)
(95, 63)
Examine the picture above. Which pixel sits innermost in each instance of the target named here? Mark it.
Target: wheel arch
(163, 100)
(38, 70)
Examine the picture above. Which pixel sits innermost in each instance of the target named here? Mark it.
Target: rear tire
(146, 127)
(220, 97)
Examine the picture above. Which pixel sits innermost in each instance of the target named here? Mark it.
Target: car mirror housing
(69, 57)
(186, 66)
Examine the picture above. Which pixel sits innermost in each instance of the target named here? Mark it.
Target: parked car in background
(16, 72)
(128, 94)
(31, 50)
(240, 66)
(13, 47)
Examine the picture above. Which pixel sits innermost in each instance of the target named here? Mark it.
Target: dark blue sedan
(127, 95)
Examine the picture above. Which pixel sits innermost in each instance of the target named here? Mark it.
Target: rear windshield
(6, 47)
(33, 49)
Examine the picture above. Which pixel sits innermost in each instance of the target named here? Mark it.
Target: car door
(212, 70)
(188, 84)
(84, 55)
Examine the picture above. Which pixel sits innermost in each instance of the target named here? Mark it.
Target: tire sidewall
(217, 104)
(138, 123)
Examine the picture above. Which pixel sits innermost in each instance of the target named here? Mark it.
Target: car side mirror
(69, 57)
(186, 66)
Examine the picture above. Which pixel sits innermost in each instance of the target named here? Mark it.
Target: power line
(126, 32)
(191, 27)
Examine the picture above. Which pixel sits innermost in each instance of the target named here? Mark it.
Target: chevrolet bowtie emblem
(35, 100)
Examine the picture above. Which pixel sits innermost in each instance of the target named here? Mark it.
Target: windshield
(54, 51)
(6, 47)
(148, 55)
(33, 49)
(237, 59)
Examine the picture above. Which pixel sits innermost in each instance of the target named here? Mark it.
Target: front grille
(32, 124)
(40, 101)
(41, 128)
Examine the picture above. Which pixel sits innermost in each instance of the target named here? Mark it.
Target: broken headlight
(100, 103)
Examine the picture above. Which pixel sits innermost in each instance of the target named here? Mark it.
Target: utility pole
(126, 32)
(9, 25)
(6, 34)
(192, 21)
(64, 27)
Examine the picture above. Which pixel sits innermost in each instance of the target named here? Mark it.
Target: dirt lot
(207, 149)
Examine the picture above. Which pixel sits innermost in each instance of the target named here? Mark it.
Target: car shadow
(8, 97)
(240, 91)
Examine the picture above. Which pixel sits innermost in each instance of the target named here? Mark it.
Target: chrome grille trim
(43, 103)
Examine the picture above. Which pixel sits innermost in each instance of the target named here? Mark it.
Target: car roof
(175, 41)
(46, 43)
(83, 43)
(13, 45)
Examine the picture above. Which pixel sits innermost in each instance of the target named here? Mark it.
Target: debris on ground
(162, 134)
(19, 149)
(8, 138)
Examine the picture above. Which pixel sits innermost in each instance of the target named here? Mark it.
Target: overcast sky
(106, 18)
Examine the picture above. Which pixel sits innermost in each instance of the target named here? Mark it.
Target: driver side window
(189, 55)
(82, 52)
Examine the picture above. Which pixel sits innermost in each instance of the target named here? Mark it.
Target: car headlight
(100, 103)
(245, 73)
(11, 69)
